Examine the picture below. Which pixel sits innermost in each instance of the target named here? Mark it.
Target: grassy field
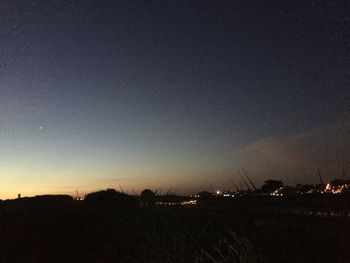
(69, 231)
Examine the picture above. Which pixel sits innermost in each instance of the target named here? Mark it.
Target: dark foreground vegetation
(112, 227)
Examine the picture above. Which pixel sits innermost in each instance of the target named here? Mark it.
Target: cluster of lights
(190, 202)
(217, 193)
(336, 189)
(277, 192)
(224, 194)
(330, 189)
(185, 203)
(167, 203)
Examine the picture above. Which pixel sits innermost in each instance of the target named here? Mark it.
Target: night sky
(171, 95)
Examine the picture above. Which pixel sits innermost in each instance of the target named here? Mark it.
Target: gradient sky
(171, 95)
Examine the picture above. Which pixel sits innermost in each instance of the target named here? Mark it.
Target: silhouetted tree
(111, 198)
(271, 185)
(147, 198)
(205, 194)
(337, 182)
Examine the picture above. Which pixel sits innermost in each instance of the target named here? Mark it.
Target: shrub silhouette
(271, 185)
(147, 194)
(147, 198)
(110, 198)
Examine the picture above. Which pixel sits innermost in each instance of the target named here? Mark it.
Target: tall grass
(169, 237)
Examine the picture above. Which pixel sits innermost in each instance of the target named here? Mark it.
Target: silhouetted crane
(250, 181)
(234, 184)
(244, 181)
(320, 176)
(343, 170)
